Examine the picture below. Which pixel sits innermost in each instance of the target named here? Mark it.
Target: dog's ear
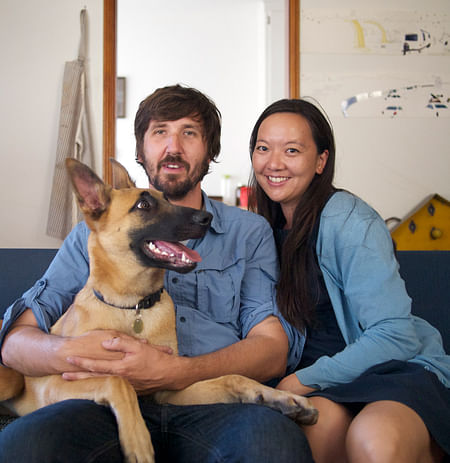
(120, 176)
(92, 194)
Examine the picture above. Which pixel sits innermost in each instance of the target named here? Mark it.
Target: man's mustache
(171, 159)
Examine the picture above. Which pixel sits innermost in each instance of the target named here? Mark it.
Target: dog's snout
(202, 218)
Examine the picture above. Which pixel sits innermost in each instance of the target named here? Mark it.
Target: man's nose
(173, 143)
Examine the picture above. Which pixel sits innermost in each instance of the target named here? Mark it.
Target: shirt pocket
(218, 292)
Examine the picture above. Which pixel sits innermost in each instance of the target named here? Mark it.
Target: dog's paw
(299, 409)
(296, 407)
(246, 390)
(137, 445)
(139, 456)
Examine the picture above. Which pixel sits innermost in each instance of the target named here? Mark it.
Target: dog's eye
(143, 204)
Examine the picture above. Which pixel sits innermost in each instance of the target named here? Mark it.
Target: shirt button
(182, 319)
(175, 280)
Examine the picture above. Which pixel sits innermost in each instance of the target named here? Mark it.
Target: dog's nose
(202, 218)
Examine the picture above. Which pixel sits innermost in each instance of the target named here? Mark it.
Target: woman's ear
(322, 162)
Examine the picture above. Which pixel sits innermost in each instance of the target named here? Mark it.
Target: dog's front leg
(112, 391)
(236, 388)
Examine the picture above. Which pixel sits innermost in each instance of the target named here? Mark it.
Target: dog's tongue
(178, 249)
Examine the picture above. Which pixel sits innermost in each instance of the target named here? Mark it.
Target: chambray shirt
(369, 298)
(231, 290)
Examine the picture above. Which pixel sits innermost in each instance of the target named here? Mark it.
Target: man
(227, 322)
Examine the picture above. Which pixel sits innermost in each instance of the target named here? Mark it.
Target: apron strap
(83, 38)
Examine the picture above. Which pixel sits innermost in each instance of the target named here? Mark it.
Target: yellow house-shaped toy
(426, 228)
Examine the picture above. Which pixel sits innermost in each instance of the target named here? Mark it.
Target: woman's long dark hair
(295, 297)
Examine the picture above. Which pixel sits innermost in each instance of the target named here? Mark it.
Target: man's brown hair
(175, 102)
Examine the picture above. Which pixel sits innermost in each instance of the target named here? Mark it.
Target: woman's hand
(292, 384)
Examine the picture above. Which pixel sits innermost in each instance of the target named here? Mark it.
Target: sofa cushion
(19, 270)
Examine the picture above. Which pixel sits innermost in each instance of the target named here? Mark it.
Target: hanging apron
(74, 141)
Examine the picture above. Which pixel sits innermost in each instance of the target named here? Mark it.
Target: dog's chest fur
(90, 313)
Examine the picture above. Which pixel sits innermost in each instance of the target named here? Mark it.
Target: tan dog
(134, 237)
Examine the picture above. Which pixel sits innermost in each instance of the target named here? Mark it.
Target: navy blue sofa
(426, 273)
(19, 270)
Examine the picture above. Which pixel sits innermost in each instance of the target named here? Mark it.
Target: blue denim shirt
(217, 304)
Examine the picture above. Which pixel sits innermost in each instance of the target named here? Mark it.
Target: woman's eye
(261, 148)
(143, 204)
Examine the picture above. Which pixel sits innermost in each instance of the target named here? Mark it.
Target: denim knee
(69, 431)
(265, 435)
(234, 433)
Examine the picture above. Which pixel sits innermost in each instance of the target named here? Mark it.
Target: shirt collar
(210, 206)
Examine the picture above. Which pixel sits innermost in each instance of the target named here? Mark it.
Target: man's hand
(144, 365)
(292, 384)
(152, 368)
(90, 344)
(32, 352)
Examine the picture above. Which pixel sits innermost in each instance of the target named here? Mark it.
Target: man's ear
(121, 178)
(92, 194)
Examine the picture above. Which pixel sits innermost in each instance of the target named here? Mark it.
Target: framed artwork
(361, 59)
(381, 73)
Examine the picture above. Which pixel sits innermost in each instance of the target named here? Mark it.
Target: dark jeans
(80, 431)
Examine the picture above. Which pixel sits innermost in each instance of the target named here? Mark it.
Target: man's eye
(143, 204)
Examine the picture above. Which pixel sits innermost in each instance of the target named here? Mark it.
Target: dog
(134, 237)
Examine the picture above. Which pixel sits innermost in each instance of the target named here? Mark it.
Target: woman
(378, 376)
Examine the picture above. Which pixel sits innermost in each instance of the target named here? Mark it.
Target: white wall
(36, 39)
(217, 47)
(392, 163)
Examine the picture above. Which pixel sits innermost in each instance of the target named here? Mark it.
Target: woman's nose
(275, 161)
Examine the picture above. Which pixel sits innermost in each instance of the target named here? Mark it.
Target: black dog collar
(146, 303)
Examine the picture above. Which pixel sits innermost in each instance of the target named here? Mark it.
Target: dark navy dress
(400, 381)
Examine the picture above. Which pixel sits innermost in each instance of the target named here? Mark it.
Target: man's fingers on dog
(74, 376)
(122, 343)
(104, 367)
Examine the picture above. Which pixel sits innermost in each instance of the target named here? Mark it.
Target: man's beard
(170, 185)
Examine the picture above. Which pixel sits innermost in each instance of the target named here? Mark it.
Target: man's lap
(81, 431)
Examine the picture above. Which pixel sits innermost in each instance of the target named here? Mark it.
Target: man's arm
(30, 351)
(261, 356)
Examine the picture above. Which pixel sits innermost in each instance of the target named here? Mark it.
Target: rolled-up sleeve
(258, 291)
(53, 294)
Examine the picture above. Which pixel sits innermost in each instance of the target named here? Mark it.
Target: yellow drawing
(359, 34)
(382, 30)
